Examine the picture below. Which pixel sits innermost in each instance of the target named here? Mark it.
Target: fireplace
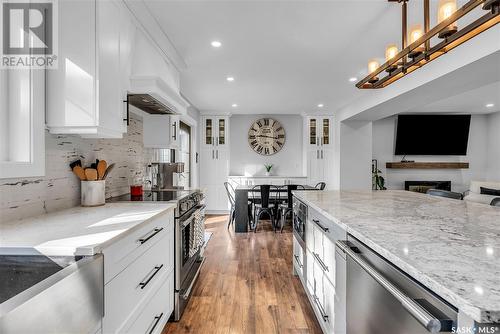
(423, 186)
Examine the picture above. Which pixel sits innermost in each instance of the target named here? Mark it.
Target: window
(22, 123)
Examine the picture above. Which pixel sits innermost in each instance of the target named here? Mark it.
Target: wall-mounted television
(432, 134)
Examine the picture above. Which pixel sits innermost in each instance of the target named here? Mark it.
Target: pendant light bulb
(446, 8)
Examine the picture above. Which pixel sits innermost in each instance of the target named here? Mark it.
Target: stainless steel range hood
(150, 105)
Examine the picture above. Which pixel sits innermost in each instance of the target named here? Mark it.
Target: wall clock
(266, 136)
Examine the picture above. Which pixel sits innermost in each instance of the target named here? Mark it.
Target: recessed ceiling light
(490, 105)
(230, 78)
(234, 105)
(353, 79)
(321, 105)
(216, 44)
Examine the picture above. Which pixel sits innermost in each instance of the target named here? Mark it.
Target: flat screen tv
(432, 134)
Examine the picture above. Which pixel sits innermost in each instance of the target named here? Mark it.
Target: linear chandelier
(419, 51)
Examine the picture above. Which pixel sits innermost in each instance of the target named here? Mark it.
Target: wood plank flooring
(246, 286)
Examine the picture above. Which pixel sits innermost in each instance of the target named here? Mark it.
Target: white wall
(493, 167)
(355, 155)
(383, 150)
(244, 161)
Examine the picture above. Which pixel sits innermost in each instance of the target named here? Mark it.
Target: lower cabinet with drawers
(321, 272)
(139, 279)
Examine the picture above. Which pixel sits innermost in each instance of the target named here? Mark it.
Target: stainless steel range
(189, 238)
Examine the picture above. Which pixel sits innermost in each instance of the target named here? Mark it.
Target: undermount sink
(64, 293)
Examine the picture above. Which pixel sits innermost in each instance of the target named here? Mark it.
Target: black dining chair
(320, 186)
(445, 193)
(495, 201)
(285, 207)
(264, 199)
(230, 196)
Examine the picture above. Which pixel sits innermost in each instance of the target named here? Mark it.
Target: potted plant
(378, 181)
(268, 169)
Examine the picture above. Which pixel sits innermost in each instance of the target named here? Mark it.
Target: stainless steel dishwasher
(51, 294)
(381, 299)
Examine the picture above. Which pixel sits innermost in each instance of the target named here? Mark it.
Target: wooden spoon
(78, 171)
(91, 174)
(101, 168)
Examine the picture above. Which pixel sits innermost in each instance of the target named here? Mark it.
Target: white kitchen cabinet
(138, 278)
(325, 277)
(85, 94)
(161, 131)
(215, 131)
(319, 149)
(214, 162)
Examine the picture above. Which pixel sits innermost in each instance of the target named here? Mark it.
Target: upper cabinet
(85, 94)
(215, 131)
(161, 131)
(319, 131)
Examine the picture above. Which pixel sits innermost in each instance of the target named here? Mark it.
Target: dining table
(241, 201)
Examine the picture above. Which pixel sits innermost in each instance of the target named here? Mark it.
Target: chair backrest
(495, 202)
(265, 193)
(230, 192)
(445, 193)
(320, 186)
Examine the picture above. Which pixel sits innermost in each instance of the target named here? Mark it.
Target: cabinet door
(314, 166)
(327, 163)
(207, 166)
(71, 98)
(329, 259)
(310, 235)
(209, 131)
(313, 132)
(110, 108)
(222, 131)
(326, 131)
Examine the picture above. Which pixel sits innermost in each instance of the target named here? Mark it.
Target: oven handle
(187, 292)
(423, 316)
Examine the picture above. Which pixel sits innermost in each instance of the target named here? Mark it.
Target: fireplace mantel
(427, 165)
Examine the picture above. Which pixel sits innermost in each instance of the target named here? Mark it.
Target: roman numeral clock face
(266, 136)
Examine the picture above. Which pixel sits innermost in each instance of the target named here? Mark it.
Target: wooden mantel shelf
(427, 165)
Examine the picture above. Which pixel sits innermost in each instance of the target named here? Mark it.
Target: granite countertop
(77, 231)
(452, 247)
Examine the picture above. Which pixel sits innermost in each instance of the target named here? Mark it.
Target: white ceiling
(471, 102)
(285, 56)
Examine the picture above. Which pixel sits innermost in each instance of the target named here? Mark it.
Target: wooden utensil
(110, 167)
(102, 165)
(91, 174)
(75, 163)
(78, 171)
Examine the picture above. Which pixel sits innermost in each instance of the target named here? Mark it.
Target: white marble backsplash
(59, 188)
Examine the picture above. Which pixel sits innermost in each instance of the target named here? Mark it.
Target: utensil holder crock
(93, 193)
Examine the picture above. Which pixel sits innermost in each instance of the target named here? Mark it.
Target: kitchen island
(451, 247)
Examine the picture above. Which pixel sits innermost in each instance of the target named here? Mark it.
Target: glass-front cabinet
(319, 131)
(215, 130)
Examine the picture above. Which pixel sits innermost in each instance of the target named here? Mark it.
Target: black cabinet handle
(143, 284)
(146, 238)
(325, 229)
(175, 130)
(321, 263)
(156, 321)
(320, 307)
(128, 112)
(298, 261)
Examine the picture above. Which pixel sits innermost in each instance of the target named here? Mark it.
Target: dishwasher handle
(431, 323)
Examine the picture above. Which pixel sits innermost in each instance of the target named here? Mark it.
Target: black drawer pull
(157, 320)
(320, 308)
(154, 232)
(143, 284)
(325, 229)
(321, 263)
(298, 261)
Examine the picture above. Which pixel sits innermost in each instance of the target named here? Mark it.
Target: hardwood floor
(246, 286)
